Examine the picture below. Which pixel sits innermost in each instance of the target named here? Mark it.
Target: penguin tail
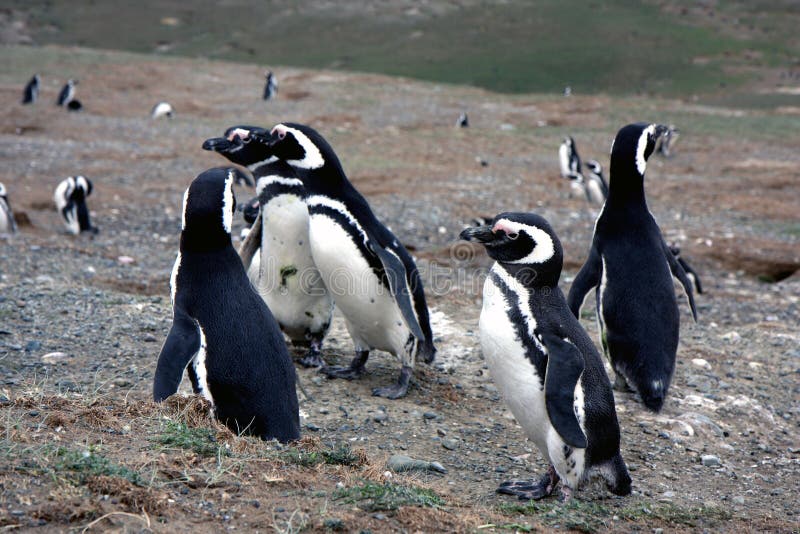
(617, 477)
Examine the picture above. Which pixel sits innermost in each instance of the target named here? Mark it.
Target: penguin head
(208, 207)
(300, 146)
(632, 146)
(3, 192)
(82, 188)
(241, 145)
(521, 240)
(594, 166)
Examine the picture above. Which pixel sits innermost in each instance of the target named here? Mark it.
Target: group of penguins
(315, 243)
(66, 97)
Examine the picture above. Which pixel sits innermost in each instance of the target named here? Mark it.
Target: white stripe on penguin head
(313, 157)
(183, 213)
(544, 249)
(227, 203)
(641, 146)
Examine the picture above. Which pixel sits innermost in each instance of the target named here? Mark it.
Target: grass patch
(341, 455)
(202, 441)
(74, 466)
(375, 497)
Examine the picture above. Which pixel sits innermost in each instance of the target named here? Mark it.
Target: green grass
(71, 465)
(340, 455)
(374, 497)
(199, 440)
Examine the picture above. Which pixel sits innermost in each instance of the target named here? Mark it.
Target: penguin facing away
(631, 267)
(7, 223)
(31, 92)
(543, 362)
(373, 279)
(222, 333)
(277, 249)
(70, 199)
(270, 85)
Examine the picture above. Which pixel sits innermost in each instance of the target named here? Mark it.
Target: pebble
(55, 357)
(399, 463)
(731, 337)
(380, 417)
(738, 499)
(150, 338)
(33, 346)
(430, 415)
(450, 444)
(709, 460)
(700, 362)
(334, 523)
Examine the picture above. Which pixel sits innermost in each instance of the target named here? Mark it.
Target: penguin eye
(281, 135)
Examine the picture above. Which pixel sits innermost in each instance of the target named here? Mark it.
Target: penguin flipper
(680, 274)
(181, 345)
(564, 368)
(692, 274)
(587, 278)
(251, 243)
(398, 284)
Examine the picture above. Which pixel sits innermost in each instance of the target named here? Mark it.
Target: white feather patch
(523, 300)
(313, 157)
(641, 146)
(183, 213)
(173, 279)
(264, 181)
(544, 249)
(320, 200)
(227, 204)
(199, 366)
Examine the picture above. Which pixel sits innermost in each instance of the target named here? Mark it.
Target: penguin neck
(626, 186)
(532, 276)
(205, 240)
(328, 180)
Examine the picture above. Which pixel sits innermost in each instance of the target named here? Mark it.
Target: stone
(709, 460)
(55, 357)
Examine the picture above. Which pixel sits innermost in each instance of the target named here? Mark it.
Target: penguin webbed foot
(354, 370)
(527, 490)
(398, 389)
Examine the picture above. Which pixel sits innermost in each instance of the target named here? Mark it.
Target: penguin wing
(680, 274)
(587, 278)
(398, 285)
(564, 368)
(690, 272)
(251, 243)
(181, 345)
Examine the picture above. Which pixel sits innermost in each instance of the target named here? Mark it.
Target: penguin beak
(481, 234)
(660, 130)
(220, 144)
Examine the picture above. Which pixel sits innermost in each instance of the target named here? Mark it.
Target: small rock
(399, 463)
(33, 346)
(709, 460)
(379, 517)
(380, 417)
(312, 427)
(732, 337)
(669, 494)
(450, 444)
(430, 415)
(738, 499)
(701, 363)
(125, 260)
(334, 523)
(150, 338)
(54, 357)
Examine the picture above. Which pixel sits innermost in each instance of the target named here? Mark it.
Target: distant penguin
(632, 268)
(270, 85)
(666, 142)
(568, 91)
(70, 199)
(543, 362)
(568, 158)
(373, 278)
(690, 272)
(596, 187)
(282, 268)
(463, 121)
(162, 109)
(7, 223)
(222, 333)
(577, 185)
(67, 93)
(31, 92)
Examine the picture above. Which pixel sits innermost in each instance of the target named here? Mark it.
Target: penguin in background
(463, 120)
(70, 200)
(690, 272)
(277, 250)
(543, 362)
(7, 224)
(371, 275)
(67, 93)
(596, 186)
(31, 92)
(568, 158)
(667, 141)
(270, 86)
(223, 335)
(632, 267)
(162, 109)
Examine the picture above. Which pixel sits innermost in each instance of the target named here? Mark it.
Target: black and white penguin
(463, 121)
(67, 93)
(31, 92)
(667, 141)
(632, 267)
(7, 223)
(372, 277)
(690, 272)
(596, 186)
(568, 158)
(282, 268)
(543, 362)
(162, 109)
(270, 86)
(577, 185)
(70, 199)
(222, 333)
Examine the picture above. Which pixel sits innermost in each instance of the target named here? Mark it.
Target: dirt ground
(81, 440)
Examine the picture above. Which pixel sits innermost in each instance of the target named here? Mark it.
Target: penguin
(222, 333)
(67, 93)
(70, 199)
(596, 186)
(271, 85)
(31, 92)
(577, 185)
(463, 121)
(632, 268)
(543, 362)
(373, 278)
(162, 109)
(7, 223)
(667, 141)
(690, 272)
(282, 268)
(568, 157)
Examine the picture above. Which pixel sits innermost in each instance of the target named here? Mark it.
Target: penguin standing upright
(596, 186)
(568, 158)
(70, 199)
(463, 120)
(632, 268)
(31, 92)
(667, 141)
(222, 332)
(7, 223)
(283, 270)
(270, 85)
(67, 93)
(162, 109)
(543, 362)
(374, 280)
(690, 272)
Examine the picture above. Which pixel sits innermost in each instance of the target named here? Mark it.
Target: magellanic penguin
(162, 109)
(463, 120)
(568, 158)
(282, 268)
(596, 186)
(543, 362)
(667, 141)
(7, 223)
(222, 332)
(31, 92)
(67, 93)
(373, 279)
(690, 272)
(632, 267)
(70, 199)
(270, 85)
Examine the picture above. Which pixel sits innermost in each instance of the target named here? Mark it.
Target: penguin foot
(397, 390)
(355, 370)
(527, 490)
(312, 359)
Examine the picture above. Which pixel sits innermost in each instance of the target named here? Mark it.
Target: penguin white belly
(6, 219)
(199, 366)
(372, 315)
(595, 192)
(289, 281)
(254, 269)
